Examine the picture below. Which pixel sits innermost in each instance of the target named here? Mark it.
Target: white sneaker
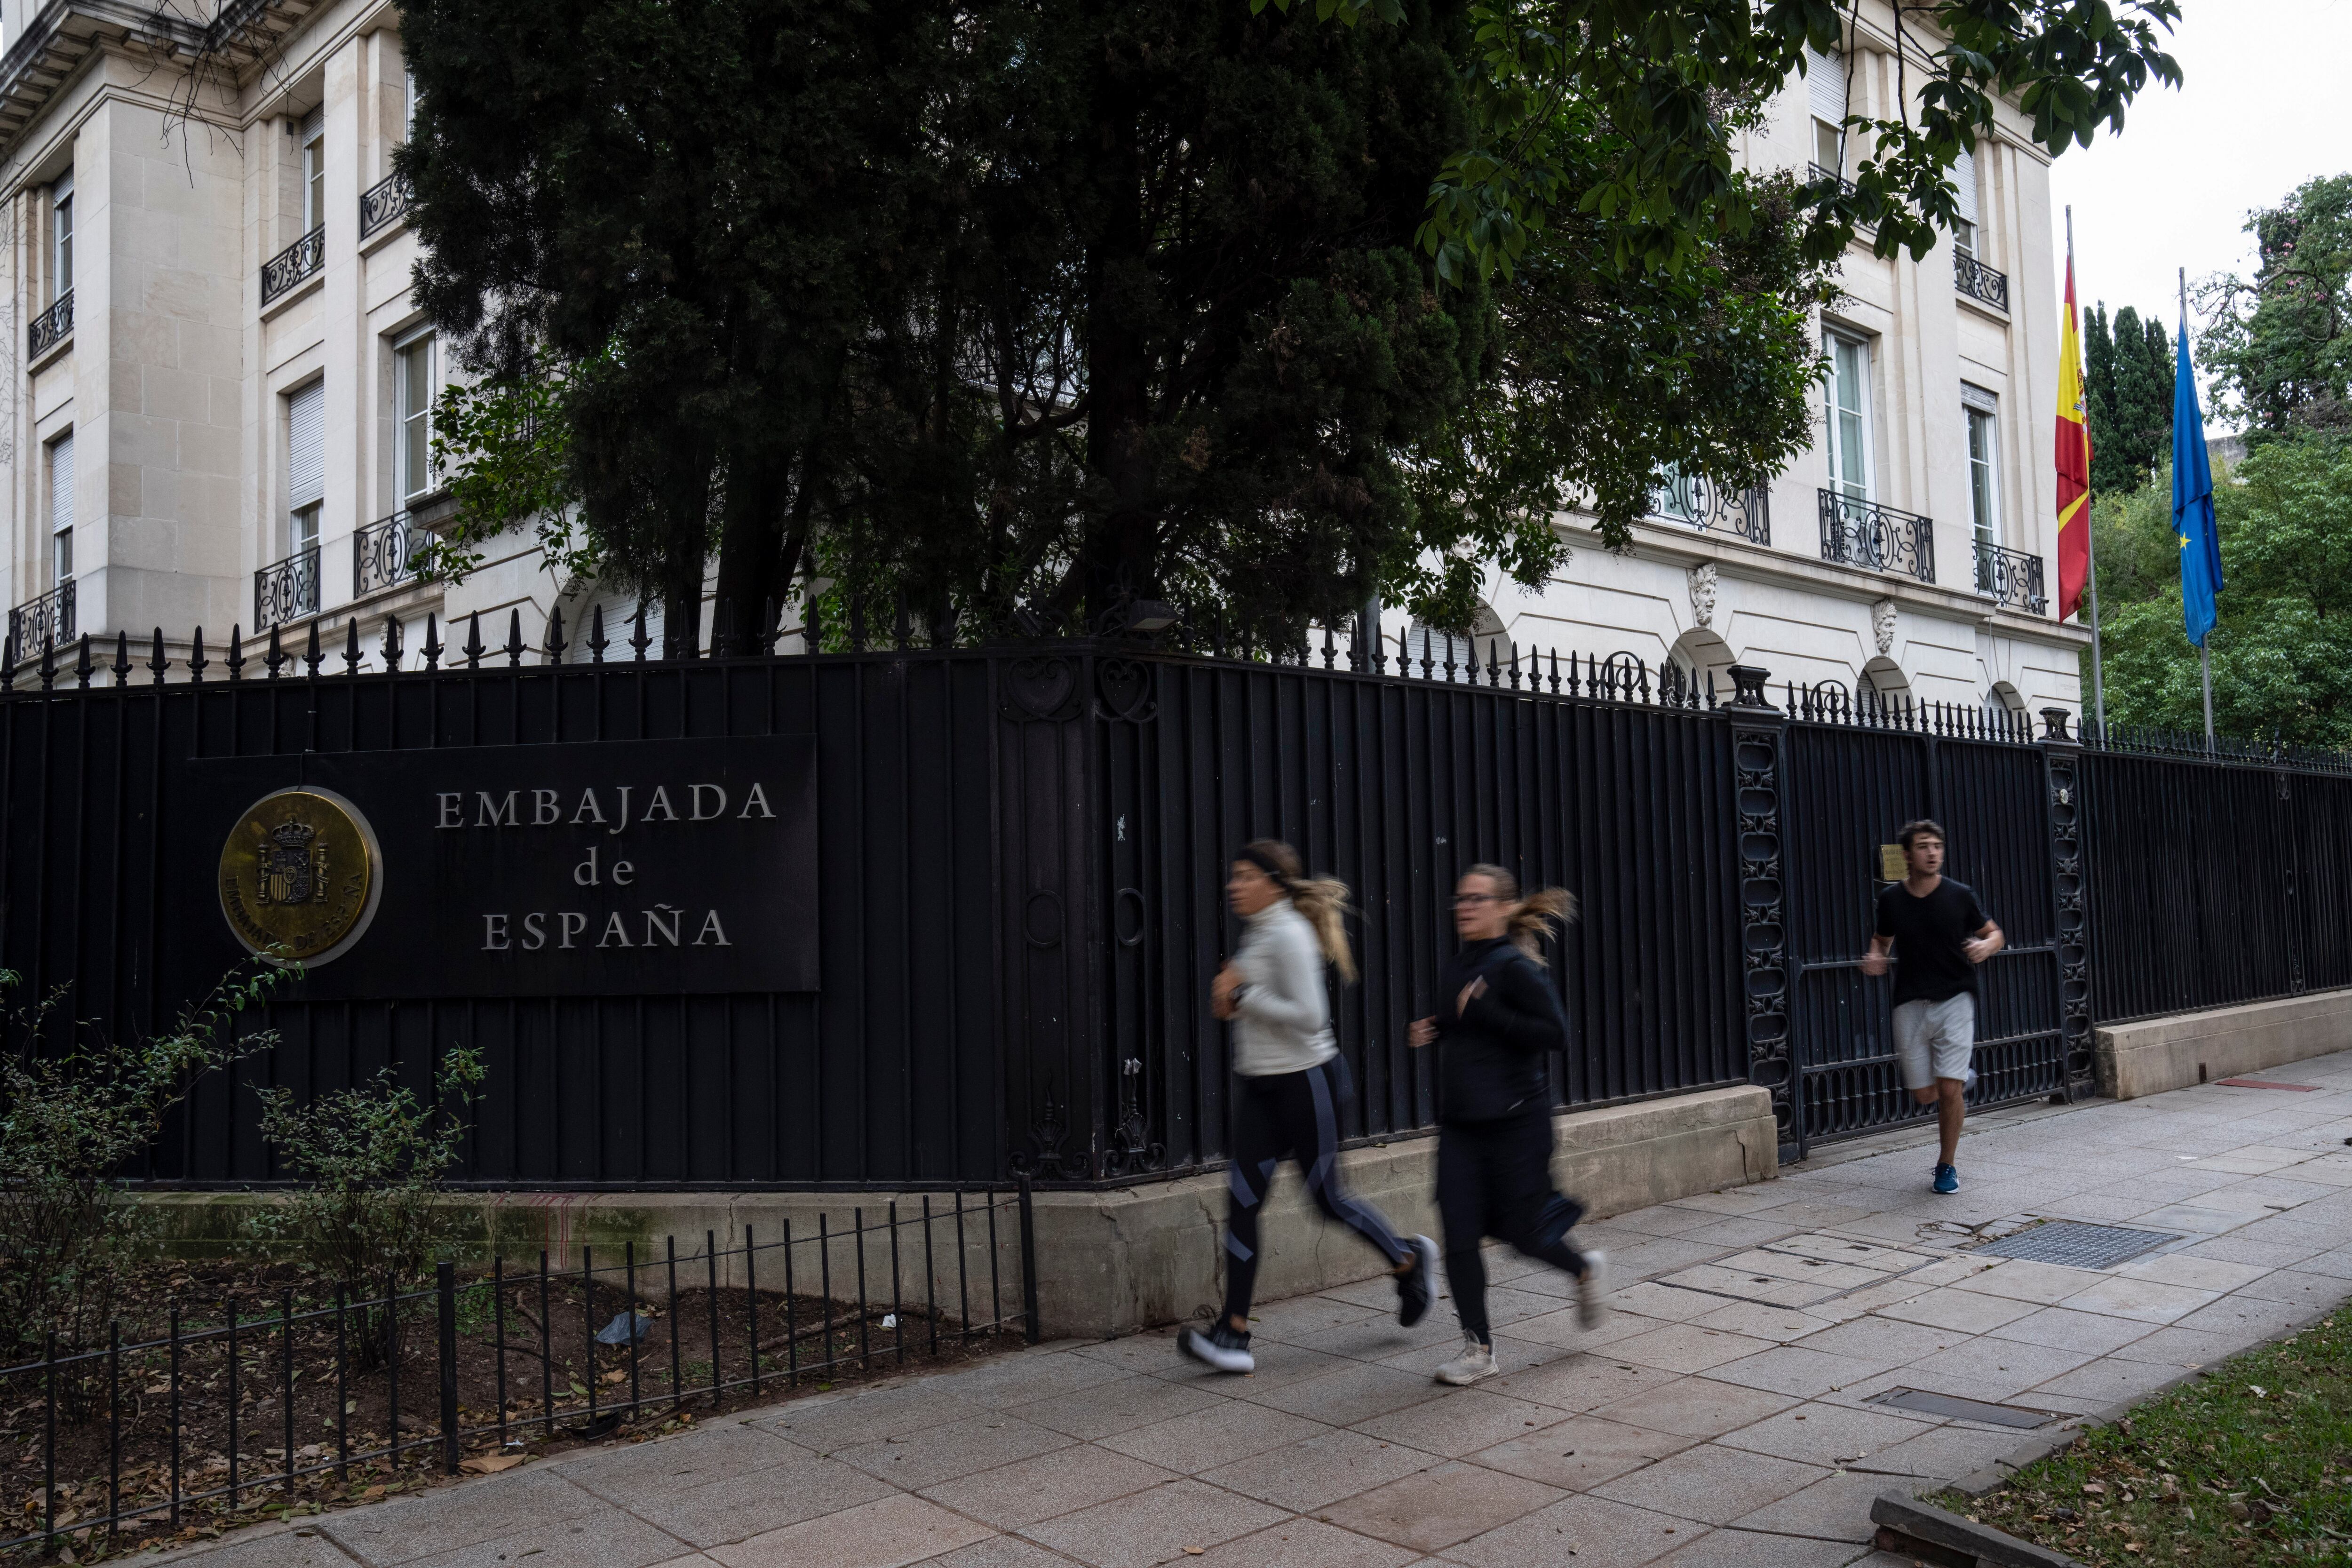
(1476, 1360)
(1591, 1285)
(1221, 1348)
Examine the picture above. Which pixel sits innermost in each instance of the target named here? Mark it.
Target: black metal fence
(1020, 855)
(241, 1405)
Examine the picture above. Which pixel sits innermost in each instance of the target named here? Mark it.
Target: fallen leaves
(490, 1464)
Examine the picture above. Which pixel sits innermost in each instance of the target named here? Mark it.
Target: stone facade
(217, 435)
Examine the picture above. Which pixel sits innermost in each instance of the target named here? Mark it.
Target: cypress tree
(2142, 406)
(2110, 473)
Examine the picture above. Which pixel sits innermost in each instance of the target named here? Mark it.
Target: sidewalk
(1725, 1416)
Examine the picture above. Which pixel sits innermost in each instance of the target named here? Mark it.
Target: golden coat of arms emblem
(300, 875)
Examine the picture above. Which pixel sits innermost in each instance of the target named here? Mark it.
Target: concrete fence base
(2184, 1048)
(1109, 1261)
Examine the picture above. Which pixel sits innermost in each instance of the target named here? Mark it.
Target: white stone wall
(176, 383)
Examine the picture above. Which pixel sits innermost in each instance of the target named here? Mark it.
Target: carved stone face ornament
(1882, 627)
(1702, 594)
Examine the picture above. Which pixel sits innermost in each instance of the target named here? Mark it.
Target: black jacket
(1494, 1056)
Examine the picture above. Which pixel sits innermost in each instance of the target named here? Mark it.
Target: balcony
(1696, 502)
(1856, 532)
(51, 328)
(286, 591)
(1978, 281)
(1821, 177)
(45, 622)
(298, 261)
(383, 554)
(2011, 577)
(383, 203)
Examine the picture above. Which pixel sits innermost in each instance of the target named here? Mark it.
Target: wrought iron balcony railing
(1978, 281)
(1700, 503)
(385, 202)
(1884, 538)
(51, 328)
(45, 622)
(286, 591)
(384, 554)
(302, 260)
(2013, 578)
(1823, 176)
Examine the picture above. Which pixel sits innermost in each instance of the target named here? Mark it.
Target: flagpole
(2204, 650)
(2090, 548)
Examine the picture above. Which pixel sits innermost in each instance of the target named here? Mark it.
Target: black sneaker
(1416, 1287)
(1222, 1347)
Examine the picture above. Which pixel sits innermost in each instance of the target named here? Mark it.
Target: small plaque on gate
(1892, 865)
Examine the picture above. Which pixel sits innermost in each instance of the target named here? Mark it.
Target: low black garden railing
(314, 1394)
(1857, 533)
(2011, 577)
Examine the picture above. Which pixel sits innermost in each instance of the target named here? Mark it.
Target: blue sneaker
(1948, 1178)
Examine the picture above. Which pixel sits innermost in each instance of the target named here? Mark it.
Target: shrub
(372, 1160)
(71, 1120)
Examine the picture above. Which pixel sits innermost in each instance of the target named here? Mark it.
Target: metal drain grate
(2077, 1246)
(1959, 1409)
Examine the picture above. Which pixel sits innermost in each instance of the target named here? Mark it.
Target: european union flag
(2192, 499)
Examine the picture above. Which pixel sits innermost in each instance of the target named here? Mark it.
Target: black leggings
(1494, 1178)
(1294, 1114)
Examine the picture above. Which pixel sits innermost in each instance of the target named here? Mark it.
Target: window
(306, 466)
(61, 509)
(1847, 416)
(314, 170)
(1826, 87)
(1984, 479)
(413, 389)
(62, 228)
(1964, 182)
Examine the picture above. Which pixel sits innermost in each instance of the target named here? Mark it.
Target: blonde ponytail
(1322, 900)
(1541, 913)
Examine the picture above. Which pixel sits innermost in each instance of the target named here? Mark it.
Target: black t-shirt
(1930, 963)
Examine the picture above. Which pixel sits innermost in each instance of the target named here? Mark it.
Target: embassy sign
(589, 868)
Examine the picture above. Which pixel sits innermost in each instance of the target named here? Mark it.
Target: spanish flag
(2073, 465)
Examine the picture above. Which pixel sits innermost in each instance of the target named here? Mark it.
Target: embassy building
(218, 389)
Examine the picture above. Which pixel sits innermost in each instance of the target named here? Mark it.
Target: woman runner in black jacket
(1499, 1021)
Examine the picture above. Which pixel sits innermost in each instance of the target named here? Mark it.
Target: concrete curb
(1907, 1524)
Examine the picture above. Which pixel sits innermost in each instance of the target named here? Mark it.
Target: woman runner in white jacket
(1289, 1084)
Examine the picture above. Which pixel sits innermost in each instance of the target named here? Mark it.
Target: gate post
(1755, 731)
(2061, 756)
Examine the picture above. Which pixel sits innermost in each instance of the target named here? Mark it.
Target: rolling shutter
(1964, 180)
(1826, 81)
(306, 444)
(61, 483)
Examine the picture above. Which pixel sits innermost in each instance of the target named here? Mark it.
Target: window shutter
(1825, 80)
(61, 483)
(1964, 179)
(620, 626)
(306, 444)
(312, 121)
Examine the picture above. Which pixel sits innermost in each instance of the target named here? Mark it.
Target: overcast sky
(2265, 107)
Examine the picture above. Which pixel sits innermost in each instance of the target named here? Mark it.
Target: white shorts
(1934, 1039)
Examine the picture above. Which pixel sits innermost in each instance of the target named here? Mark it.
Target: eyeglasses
(1461, 898)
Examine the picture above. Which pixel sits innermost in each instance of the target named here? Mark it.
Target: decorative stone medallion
(300, 876)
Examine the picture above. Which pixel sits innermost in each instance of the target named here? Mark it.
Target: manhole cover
(1953, 1406)
(2077, 1246)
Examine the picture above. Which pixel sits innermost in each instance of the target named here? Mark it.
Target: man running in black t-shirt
(1938, 934)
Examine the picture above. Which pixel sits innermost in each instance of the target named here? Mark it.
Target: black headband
(1265, 863)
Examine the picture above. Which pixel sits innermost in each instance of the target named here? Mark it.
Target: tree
(2110, 474)
(1046, 307)
(2280, 345)
(2285, 634)
(2140, 413)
